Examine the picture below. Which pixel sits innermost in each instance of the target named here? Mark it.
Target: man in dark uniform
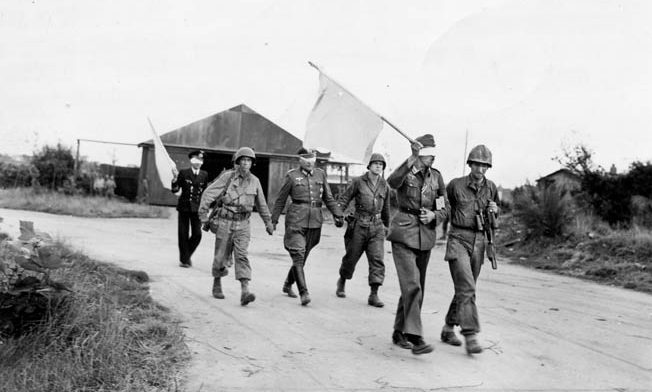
(470, 197)
(192, 183)
(366, 228)
(422, 203)
(236, 192)
(308, 187)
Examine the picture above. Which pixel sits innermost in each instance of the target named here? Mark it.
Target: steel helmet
(376, 157)
(480, 154)
(244, 152)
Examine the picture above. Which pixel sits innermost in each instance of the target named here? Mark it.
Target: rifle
(489, 233)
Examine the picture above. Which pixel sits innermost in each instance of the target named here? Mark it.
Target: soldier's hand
(416, 146)
(426, 216)
(274, 226)
(175, 173)
(205, 226)
(269, 227)
(493, 207)
(339, 222)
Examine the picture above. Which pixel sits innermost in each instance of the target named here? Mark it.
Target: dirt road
(541, 331)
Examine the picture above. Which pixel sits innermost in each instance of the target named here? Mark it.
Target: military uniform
(366, 230)
(412, 240)
(466, 247)
(304, 218)
(233, 229)
(192, 185)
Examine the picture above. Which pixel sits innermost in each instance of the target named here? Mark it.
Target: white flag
(341, 123)
(164, 164)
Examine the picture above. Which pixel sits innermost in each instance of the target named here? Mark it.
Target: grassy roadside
(619, 257)
(107, 336)
(85, 206)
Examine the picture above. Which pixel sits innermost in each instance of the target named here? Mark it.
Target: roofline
(223, 150)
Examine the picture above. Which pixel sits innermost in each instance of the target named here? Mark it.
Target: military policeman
(470, 197)
(366, 228)
(192, 183)
(235, 192)
(308, 187)
(422, 203)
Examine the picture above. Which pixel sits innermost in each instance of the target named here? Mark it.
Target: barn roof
(232, 129)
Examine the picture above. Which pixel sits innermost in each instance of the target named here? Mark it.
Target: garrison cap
(196, 153)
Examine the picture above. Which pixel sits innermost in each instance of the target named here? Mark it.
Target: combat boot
(419, 346)
(300, 277)
(340, 288)
(398, 338)
(373, 297)
(287, 285)
(448, 336)
(217, 288)
(246, 296)
(472, 345)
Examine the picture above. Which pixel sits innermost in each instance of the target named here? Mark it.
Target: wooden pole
(466, 143)
(381, 117)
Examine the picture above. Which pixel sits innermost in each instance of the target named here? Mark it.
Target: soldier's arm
(385, 212)
(327, 197)
(176, 182)
(443, 214)
(261, 204)
(347, 195)
(210, 194)
(282, 198)
(395, 180)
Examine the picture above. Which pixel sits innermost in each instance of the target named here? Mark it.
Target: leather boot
(399, 339)
(217, 288)
(373, 297)
(246, 296)
(300, 278)
(448, 336)
(287, 286)
(419, 346)
(340, 288)
(472, 345)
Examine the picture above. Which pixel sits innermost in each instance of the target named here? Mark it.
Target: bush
(54, 165)
(544, 212)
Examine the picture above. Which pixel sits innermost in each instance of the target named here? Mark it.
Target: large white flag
(164, 164)
(341, 123)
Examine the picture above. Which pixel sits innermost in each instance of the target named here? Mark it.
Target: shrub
(54, 164)
(544, 212)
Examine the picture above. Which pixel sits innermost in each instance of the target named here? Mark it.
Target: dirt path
(541, 331)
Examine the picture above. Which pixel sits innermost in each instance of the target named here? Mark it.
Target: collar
(195, 171)
(473, 185)
(306, 172)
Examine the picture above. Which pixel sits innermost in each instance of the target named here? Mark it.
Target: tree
(54, 164)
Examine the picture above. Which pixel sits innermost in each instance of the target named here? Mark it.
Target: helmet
(376, 157)
(480, 154)
(244, 152)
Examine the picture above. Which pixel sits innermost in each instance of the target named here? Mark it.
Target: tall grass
(87, 206)
(107, 336)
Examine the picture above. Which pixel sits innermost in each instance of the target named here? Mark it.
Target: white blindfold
(427, 151)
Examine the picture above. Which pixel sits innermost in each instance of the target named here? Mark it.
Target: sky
(525, 78)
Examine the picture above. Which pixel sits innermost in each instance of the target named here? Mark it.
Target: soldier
(235, 192)
(470, 197)
(366, 228)
(308, 187)
(422, 203)
(192, 183)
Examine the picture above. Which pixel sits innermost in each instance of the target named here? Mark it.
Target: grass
(107, 336)
(590, 249)
(86, 206)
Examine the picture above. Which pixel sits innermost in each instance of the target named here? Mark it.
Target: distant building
(562, 179)
(220, 136)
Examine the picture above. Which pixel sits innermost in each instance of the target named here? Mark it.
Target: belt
(410, 211)
(234, 216)
(367, 214)
(311, 203)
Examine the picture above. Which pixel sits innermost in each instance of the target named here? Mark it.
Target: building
(219, 136)
(562, 179)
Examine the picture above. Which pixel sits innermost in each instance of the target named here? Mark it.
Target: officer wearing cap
(308, 188)
(469, 197)
(192, 182)
(235, 192)
(422, 204)
(366, 228)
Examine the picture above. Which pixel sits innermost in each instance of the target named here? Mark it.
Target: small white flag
(341, 123)
(165, 166)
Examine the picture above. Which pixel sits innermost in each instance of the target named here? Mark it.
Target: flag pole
(466, 143)
(381, 117)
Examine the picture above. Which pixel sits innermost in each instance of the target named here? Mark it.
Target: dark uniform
(192, 185)
(304, 218)
(465, 248)
(365, 231)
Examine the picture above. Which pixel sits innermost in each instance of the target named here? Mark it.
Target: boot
(448, 336)
(472, 345)
(373, 297)
(419, 346)
(300, 278)
(217, 288)
(287, 286)
(398, 338)
(246, 296)
(340, 288)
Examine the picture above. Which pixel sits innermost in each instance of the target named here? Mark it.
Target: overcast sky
(523, 77)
